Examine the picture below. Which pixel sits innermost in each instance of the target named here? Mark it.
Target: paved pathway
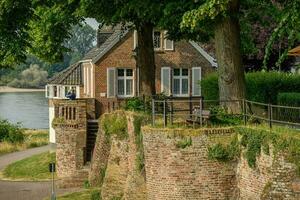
(12, 190)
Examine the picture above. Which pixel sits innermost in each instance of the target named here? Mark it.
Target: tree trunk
(145, 59)
(230, 68)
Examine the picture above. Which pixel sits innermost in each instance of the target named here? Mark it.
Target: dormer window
(160, 41)
(157, 40)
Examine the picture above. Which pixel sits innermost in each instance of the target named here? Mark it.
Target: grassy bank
(86, 194)
(33, 138)
(30, 169)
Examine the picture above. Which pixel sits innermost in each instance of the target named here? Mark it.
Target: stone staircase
(92, 130)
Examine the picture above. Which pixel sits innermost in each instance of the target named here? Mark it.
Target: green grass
(31, 169)
(33, 138)
(82, 195)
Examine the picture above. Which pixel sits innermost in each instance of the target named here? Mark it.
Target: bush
(289, 99)
(260, 86)
(11, 132)
(210, 87)
(135, 104)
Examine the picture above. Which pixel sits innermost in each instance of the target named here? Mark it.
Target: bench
(196, 117)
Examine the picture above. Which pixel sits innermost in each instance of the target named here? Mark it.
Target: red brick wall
(174, 173)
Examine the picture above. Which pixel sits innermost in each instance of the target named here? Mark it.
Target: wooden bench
(196, 117)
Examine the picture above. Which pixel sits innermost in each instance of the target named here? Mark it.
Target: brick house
(108, 73)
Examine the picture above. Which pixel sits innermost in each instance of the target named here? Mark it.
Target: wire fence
(196, 111)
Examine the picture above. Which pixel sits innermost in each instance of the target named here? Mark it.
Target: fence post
(165, 116)
(171, 113)
(191, 106)
(244, 112)
(153, 112)
(201, 109)
(270, 115)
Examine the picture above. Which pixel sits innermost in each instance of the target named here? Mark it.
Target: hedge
(289, 99)
(260, 86)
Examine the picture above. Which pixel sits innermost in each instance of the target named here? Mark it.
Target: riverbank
(5, 89)
(33, 138)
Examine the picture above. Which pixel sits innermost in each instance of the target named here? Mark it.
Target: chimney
(103, 34)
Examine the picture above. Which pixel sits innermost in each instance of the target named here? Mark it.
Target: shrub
(210, 87)
(95, 195)
(137, 104)
(289, 99)
(11, 132)
(221, 117)
(260, 86)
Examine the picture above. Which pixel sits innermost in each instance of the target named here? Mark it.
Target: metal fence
(196, 111)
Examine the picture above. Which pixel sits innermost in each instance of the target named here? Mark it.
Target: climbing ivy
(225, 152)
(253, 141)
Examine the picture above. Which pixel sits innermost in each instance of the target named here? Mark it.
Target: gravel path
(19, 190)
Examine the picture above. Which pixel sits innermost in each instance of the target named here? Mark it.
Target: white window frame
(180, 77)
(125, 78)
(165, 42)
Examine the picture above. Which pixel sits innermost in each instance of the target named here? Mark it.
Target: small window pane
(120, 72)
(156, 39)
(176, 89)
(55, 91)
(185, 72)
(120, 87)
(176, 72)
(66, 90)
(185, 86)
(129, 72)
(129, 86)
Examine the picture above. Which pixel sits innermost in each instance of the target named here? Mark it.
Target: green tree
(222, 16)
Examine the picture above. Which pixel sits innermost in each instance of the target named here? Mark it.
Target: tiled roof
(96, 53)
(73, 74)
(70, 76)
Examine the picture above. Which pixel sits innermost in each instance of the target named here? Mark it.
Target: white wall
(51, 130)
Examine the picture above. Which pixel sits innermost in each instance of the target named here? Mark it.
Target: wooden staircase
(92, 130)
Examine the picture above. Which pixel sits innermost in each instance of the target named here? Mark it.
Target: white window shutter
(196, 78)
(168, 44)
(51, 92)
(111, 82)
(135, 39)
(166, 80)
(46, 91)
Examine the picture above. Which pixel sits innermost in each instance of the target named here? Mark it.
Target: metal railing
(197, 111)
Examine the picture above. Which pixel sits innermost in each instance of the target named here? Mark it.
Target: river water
(29, 108)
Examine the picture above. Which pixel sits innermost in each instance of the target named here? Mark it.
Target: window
(125, 82)
(55, 91)
(157, 40)
(180, 82)
(168, 44)
(70, 89)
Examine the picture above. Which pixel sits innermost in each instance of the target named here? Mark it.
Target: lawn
(30, 169)
(33, 138)
(86, 194)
